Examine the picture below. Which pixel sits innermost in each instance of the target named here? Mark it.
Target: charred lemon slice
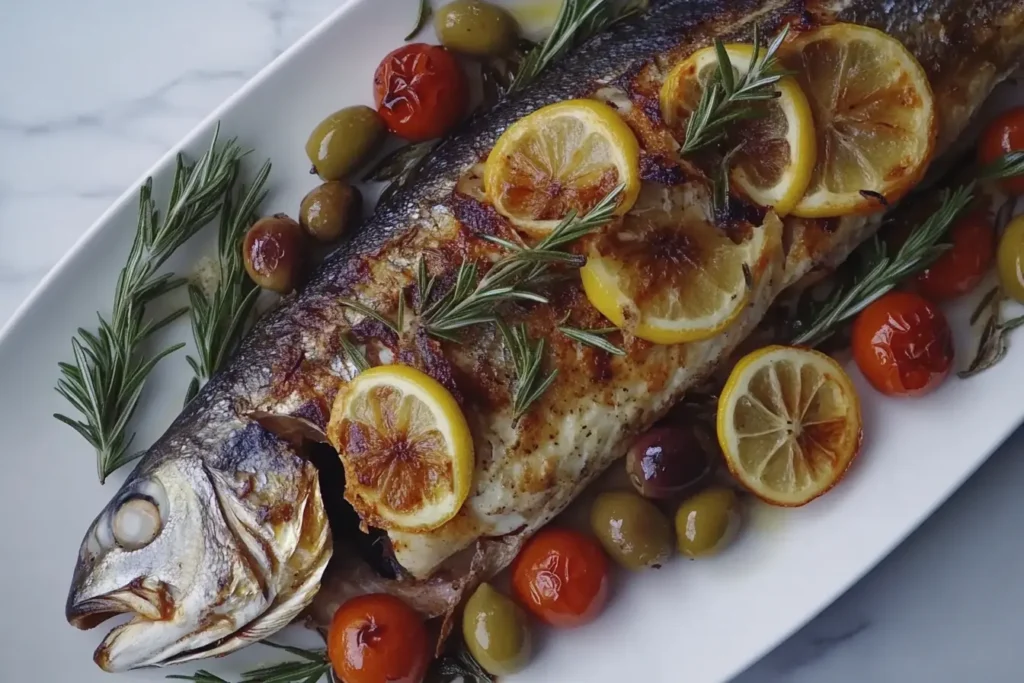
(405, 446)
(874, 117)
(668, 274)
(789, 424)
(776, 150)
(567, 156)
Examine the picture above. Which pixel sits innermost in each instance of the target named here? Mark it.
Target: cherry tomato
(1004, 135)
(963, 265)
(561, 576)
(1011, 259)
(378, 639)
(421, 91)
(903, 344)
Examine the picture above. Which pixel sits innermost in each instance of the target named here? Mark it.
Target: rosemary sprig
(594, 338)
(527, 356)
(726, 99)
(466, 303)
(881, 273)
(993, 343)
(219, 317)
(354, 354)
(109, 371)
(399, 167)
(577, 22)
(455, 665)
(201, 676)
(1006, 166)
(422, 17)
(310, 667)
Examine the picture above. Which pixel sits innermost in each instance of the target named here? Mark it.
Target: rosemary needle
(106, 379)
(219, 317)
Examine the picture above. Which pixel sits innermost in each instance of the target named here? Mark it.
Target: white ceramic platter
(700, 621)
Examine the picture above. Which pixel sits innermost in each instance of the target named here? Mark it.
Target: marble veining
(92, 92)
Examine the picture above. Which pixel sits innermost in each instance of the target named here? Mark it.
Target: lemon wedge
(405, 446)
(874, 116)
(789, 424)
(563, 157)
(776, 151)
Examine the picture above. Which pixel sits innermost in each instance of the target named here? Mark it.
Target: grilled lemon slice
(668, 274)
(776, 158)
(874, 116)
(563, 157)
(405, 446)
(789, 424)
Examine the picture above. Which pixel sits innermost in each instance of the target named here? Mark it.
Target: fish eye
(136, 523)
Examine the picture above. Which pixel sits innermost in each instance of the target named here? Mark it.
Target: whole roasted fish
(220, 536)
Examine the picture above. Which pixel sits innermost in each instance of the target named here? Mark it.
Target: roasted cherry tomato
(561, 576)
(964, 264)
(378, 639)
(421, 91)
(1004, 135)
(903, 344)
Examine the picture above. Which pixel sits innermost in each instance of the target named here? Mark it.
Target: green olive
(274, 253)
(476, 28)
(707, 521)
(329, 209)
(343, 141)
(496, 632)
(632, 530)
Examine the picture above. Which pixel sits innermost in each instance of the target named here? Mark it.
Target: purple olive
(665, 462)
(274, 253)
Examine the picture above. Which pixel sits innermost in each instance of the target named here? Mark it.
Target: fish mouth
(148, 607)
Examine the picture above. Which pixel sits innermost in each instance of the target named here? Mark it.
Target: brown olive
(274, 253)
(667, 461)
(329, 209)
(706, 522)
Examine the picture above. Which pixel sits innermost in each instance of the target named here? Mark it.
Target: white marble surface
(92, 92)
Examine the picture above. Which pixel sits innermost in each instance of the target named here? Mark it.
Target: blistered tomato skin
(1004, 135)
(1010, 259)
(420, 91)
(378, 639)
(561, 577)
(965, 263)
(903, 345)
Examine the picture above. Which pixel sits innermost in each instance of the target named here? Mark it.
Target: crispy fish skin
(220, 458)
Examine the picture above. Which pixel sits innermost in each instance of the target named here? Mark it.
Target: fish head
(206, 555)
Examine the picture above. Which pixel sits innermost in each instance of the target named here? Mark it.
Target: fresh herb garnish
(219, 317)
(470, 302)
(577, 22)
(993, 343)
(1006, 166)
(458, 663)
(399, 167)
(354, 354)
(527, 357)
(311, 666)
(881, 273)
(421, 19)
(726, 99)
(594, 338)
(109, 372)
